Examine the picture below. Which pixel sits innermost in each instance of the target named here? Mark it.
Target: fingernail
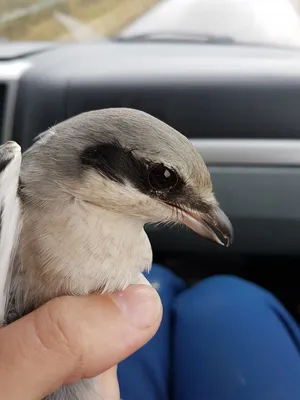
(140, 304)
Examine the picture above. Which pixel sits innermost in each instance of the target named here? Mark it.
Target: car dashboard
(239, 105)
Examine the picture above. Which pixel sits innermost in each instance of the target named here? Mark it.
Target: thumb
(70, 338)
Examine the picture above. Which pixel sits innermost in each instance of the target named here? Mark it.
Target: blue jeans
(222, 339)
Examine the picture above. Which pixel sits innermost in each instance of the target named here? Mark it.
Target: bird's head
(131, 163)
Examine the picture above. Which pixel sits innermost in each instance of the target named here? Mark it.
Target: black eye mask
(114, 162)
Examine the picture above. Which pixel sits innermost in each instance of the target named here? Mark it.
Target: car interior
(239, 105)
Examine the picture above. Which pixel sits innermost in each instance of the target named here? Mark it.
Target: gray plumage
(87, 188)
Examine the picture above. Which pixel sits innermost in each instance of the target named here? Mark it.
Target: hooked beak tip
(223, 226)
(214, 226)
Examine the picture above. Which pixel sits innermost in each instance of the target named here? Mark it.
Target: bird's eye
(162, 178)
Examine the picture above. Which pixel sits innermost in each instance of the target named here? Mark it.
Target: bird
(74, 206)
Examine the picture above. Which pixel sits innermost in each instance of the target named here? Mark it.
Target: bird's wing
(10, 163)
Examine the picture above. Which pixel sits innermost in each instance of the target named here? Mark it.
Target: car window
(265, 22)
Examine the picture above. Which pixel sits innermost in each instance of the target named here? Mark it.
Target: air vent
(3, 93)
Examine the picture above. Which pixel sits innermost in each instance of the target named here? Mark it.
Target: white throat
(81, 248)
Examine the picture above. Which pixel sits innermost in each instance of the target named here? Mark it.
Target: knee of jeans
(218, 293)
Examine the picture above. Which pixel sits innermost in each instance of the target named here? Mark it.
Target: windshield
(264, 22)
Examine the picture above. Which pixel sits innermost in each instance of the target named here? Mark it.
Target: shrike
(74, 206)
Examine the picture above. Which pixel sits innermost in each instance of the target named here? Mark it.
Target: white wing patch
(10, 163)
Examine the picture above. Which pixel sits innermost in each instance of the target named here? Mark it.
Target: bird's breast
(82, 252)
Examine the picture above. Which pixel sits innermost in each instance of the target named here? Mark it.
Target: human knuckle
(56, 331)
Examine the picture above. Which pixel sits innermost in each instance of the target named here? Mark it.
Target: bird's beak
(214, 225)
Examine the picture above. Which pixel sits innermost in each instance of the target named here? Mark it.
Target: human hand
(70, 338)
